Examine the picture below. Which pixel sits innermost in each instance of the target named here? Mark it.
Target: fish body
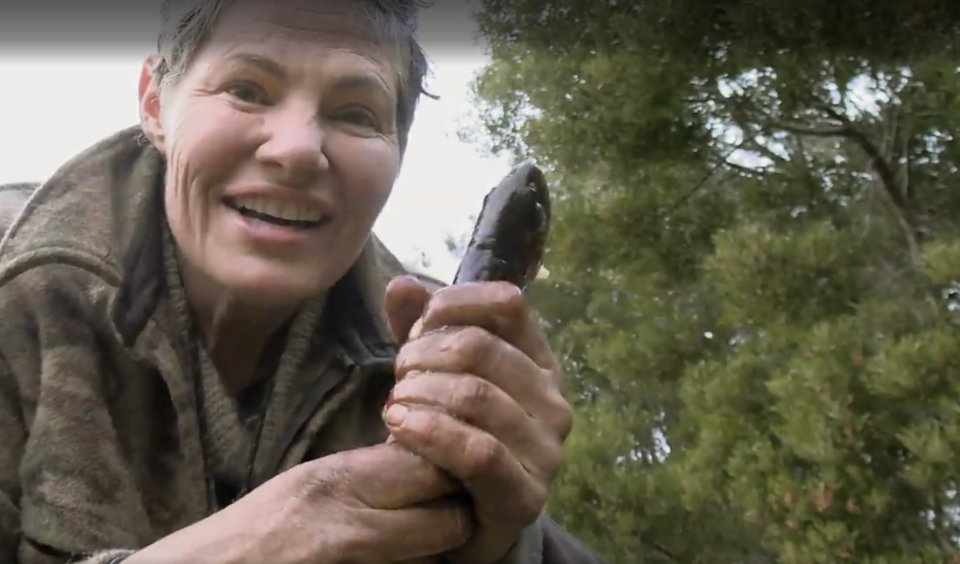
(509, 238)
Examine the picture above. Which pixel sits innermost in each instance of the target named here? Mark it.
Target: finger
(472, 350)
(502, 490)
(385, 476)
(404, 302)
(424, 530)
(498, 307)
(483, 405)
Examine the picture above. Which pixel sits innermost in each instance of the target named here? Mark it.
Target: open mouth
(277, 213)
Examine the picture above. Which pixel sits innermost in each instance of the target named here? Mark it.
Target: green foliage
(754, 270)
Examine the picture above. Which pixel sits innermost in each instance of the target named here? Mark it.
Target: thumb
(404, 303)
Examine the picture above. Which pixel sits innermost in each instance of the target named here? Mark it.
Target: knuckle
(440, 303)
(405, 362)
(559, 415)
(565, 423)
(553, 457)
(481, 453)
(514, 303)
(469, 345)
(556, 375)
(471, 395)
(429, 426)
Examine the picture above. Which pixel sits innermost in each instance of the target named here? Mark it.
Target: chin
(266, 286)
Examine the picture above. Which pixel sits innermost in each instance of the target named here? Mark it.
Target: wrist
(205, 541)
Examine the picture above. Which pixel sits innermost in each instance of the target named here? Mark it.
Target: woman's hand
(479, 396)
(375, 505)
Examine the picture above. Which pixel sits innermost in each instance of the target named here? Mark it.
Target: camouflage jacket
(100, 412)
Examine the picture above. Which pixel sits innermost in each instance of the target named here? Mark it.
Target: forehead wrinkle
(235, 34)
(274, 63)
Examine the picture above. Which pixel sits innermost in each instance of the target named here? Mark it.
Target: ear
(149, 92)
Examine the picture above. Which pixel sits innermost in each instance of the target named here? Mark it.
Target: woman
(200, 333)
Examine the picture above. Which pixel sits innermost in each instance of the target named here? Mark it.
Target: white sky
(62, 104)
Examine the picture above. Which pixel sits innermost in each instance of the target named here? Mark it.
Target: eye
(359, 117)
(247, 93)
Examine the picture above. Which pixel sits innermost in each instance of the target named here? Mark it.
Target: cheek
(204, 149)
(369, 169)
(207, 144)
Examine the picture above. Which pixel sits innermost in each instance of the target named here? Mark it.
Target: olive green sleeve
(52, 437)
(14, 548)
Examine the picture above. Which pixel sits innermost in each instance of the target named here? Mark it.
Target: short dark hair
(185, 23)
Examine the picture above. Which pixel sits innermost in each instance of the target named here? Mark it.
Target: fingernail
(396, 414)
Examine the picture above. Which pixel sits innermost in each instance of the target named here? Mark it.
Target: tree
(753, 269)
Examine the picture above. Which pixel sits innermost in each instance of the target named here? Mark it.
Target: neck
(236, 334)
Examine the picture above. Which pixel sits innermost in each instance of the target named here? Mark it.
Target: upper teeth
(280, 209)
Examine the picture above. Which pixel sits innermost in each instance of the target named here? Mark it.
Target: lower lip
(275, 235)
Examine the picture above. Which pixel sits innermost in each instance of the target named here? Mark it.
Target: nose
(293, 150)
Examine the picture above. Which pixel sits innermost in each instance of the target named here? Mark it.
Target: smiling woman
(285, 108)
(199, 334)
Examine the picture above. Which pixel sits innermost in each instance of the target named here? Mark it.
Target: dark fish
(508, 240)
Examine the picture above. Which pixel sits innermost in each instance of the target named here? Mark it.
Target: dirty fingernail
(396, 414)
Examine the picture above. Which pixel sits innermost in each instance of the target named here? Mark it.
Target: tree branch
(743, 169)
(883, 171)
(887, 179)
(815, 131)
(802, 151)
(662, 551)
(724, 160)
(766, 152)
(905, 169)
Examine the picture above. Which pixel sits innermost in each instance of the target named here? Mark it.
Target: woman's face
(281, 146)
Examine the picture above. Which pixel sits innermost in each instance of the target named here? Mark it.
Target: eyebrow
(361, 82)
(347, 82)
(263, 63)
